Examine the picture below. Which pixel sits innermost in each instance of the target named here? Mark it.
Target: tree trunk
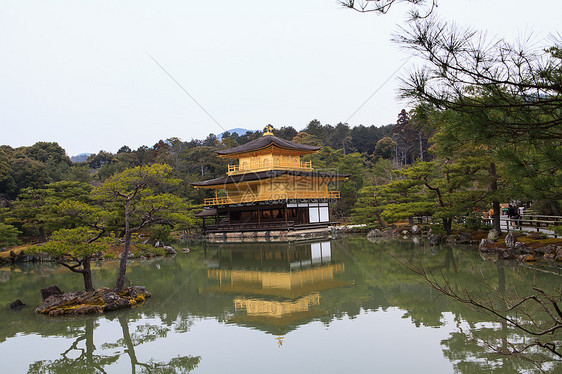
(120, 281)
(447, 225)
(495, 203)
(377, 213)
(497, 213)
(554, 207)
(381, 222)
(421, 146)
(87, 273)
(42, 233)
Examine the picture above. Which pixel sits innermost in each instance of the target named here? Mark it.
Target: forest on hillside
(39, 176)
(37, 166)
(484, 128)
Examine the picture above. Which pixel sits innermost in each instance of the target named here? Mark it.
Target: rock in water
(483, 246)
(374, 233)
(135, 291)
(434, 240)
(558, 256)
(17, 304)
(388, 233)
(505, 253)
(530, 258)
(415, 230)
(169, 250)
(522, 248)
(548, 249)
(465, 238)
(510, 240)
(493, 235)
(452, 239)
(51, 290)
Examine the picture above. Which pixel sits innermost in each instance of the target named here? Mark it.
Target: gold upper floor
(269, 161)
(285, 195)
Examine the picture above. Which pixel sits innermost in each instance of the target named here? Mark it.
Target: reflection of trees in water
(147, 333)
(481, 341)
(85, 362)
(484, 347)
(88, 362)
(525, 324)
(378, 282)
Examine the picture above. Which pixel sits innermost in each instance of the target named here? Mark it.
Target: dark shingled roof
(265, 141)
(207, 213)
(267, 174)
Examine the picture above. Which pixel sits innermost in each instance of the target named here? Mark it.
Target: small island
(58, 303)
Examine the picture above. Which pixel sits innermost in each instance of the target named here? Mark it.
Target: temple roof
(267, 174)
(265, 141)
(207, 213)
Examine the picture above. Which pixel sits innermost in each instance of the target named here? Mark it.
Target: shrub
(557, 230)
(161, 233)
(437, 229)
(8, 236)
(474, 221)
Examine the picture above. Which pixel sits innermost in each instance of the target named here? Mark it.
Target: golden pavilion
(269, 187)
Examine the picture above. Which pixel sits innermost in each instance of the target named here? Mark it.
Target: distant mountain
(81, 157)
(237, 130)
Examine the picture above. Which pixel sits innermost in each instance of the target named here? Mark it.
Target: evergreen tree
(139, 196)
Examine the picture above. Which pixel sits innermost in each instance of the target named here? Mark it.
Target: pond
(340, 306)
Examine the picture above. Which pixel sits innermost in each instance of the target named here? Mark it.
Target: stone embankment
(19, 255)
(528, 248)
(57, 303)
(532, 248)
(269, 236)
(434, 239)
(33, 254)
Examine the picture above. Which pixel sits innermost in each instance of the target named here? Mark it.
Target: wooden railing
(526, 223)
(274, 196)
(261, 165)
(289, 225)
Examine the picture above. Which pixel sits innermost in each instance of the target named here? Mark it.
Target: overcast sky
(80, 72)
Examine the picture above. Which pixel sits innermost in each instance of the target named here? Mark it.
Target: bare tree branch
(383, 6)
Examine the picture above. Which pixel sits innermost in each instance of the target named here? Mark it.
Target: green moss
(479, 235)
(536, 243)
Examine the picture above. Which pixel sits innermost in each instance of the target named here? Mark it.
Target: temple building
(269, 187)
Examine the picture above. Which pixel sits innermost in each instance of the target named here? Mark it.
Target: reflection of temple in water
(276, 287)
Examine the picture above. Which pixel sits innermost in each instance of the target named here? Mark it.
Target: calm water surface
(344, 306)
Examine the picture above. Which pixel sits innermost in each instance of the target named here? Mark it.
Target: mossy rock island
(83, 302)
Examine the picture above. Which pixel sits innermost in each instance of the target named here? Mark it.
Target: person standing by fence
(513, 214)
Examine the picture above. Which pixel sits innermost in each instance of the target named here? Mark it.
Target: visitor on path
(513, 214)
